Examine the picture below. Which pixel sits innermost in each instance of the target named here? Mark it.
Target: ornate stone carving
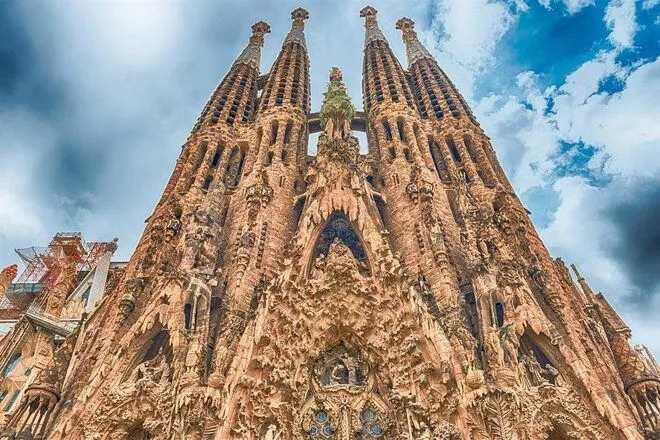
(399, 294)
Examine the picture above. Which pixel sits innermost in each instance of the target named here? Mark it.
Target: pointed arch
(339, 227)
(154, 344)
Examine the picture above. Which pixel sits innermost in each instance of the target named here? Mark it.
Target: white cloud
(620, 19)
(649, 4)
(468, 33)
(624, 125)
(572, 6)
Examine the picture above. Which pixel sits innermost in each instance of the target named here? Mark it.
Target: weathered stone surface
(402, 294)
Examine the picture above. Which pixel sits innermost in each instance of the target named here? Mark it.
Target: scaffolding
(43, 266)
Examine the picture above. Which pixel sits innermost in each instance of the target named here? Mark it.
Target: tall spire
(373, 32)
(384, 78)
(288, 80)
(297, 34)
(235, 98)
(251, 55)
(415, 50)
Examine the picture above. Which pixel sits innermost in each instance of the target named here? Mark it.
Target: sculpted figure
(509, 346)
(534, 369)
(418, 429)
(553, 374)
(272, 432)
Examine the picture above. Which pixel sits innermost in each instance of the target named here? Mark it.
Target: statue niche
(536, 368)
(154, 364)
(341, 368)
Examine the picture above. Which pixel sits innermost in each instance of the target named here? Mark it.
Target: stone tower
(402, 294)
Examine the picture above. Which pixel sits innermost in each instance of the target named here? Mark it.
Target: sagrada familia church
(398, 294)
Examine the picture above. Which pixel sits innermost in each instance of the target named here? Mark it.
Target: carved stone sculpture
(399, 294)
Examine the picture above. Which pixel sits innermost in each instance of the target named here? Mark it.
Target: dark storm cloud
(15, 53)
(636, 244)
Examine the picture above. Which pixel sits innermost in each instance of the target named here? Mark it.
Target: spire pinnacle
(373, 32)
(337, 110)
(582, 282)
(297, 35)
(251, 55)
(577, 272)
(415, 50)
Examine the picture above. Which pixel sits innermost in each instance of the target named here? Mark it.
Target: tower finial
(586, 288)
(252, 53)
(298, 15)
(415, 50)
(259, 29)
(337, 110)
(373, 32)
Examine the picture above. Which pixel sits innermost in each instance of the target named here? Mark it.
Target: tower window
(207, 182)
(470, 303)
(438, 161)
(234, 167)
(499, 314)
(388, 130)
(273, 132)
(382, 211)
(187, 315)
(339, 228)
(158, 342)
(400, 128)
(453, 150)
(287, 132)
(218, 154)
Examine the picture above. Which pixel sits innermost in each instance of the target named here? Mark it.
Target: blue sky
(97, 97)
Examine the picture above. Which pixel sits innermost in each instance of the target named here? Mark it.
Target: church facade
(398, 294)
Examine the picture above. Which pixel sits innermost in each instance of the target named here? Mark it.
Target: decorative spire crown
(373, 32)
(251, 55)
(415, 50)
(337, 110)
(297, 35)
(259, 29)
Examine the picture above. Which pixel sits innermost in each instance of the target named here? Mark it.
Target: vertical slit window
(499, 314)
(218, 154)
(388, 130)
(452, 149)
(187, 315)
(287, 132)
(273, 132)
(438, 161)
(234, 167)
(207, 182)
(400, 128)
